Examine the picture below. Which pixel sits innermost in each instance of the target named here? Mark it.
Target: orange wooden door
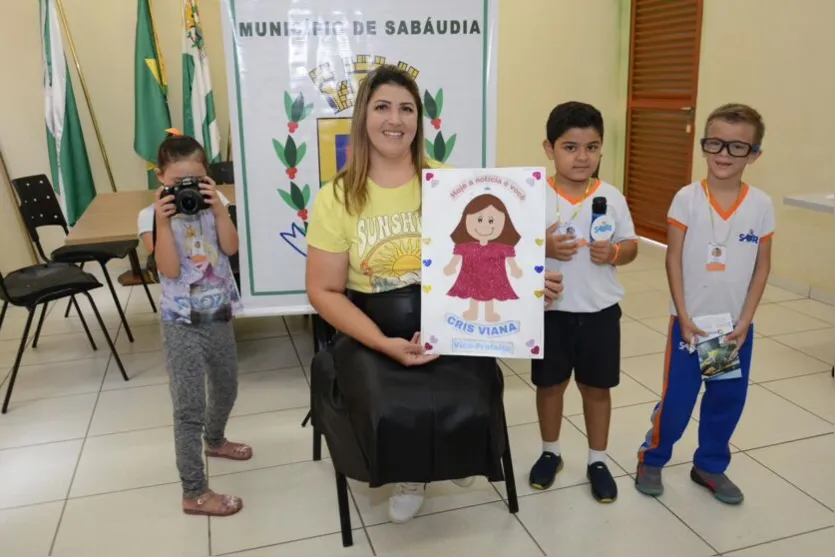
(663, 83)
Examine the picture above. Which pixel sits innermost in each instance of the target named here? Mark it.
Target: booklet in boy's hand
(718, 359)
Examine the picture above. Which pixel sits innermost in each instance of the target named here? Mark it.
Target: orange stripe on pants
(656, 422)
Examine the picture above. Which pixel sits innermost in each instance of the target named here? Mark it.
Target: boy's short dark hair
(570, 115)
(736, 113)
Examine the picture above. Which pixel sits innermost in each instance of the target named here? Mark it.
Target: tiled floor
(87, 460)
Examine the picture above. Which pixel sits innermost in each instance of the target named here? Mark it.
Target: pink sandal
(213, 504)
(231, 451)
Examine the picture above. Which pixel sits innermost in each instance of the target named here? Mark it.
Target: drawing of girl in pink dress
(485, 241)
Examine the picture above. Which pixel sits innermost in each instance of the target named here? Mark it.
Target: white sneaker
(406, 501)
(464, 482)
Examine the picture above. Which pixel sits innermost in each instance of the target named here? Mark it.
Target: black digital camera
(187, 197)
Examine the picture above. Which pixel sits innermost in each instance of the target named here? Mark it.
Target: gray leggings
(199, 358)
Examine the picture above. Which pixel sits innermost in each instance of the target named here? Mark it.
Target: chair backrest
(222, 172)
(325, 332)
(38, 205)
(234, 261)
(4, 294)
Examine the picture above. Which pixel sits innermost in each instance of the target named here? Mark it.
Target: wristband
(615, 255)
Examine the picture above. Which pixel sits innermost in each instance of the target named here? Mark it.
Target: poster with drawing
(483, 262)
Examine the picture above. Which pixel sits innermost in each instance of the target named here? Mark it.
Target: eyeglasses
(739, 149)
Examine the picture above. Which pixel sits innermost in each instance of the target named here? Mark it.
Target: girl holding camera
(199, 300)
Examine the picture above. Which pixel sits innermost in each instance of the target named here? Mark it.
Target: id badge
(566, 228)
(570, 228)
(717, 255)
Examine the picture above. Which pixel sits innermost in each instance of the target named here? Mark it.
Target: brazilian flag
(151, 115)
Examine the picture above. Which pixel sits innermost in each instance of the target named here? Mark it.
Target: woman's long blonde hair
(353, 178)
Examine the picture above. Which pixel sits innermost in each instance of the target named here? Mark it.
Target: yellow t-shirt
(383, 242)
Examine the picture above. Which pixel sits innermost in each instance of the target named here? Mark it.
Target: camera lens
(189, 202)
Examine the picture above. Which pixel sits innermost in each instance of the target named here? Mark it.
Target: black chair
(39, 207)
(38, 285)
(222, 172)
(235, 261)
(323, 334)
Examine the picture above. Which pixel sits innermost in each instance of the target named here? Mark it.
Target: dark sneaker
(648, 480)
(718, 484)
(545, 470)
(603, 486)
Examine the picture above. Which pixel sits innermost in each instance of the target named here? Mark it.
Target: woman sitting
(391, 413)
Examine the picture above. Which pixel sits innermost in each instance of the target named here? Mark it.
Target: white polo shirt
(740, 230)
(588, 287)
(145, 221)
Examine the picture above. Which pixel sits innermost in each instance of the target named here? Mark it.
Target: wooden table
(112, 217)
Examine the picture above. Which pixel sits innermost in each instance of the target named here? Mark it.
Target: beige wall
(555, 51)
(536, 71)
(782, 62)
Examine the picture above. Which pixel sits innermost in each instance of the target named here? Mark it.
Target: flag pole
(86, 94)
(13, 198)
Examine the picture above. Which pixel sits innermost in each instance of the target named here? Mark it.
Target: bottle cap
(598, 206)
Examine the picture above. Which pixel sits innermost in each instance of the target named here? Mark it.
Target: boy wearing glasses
(718, 261)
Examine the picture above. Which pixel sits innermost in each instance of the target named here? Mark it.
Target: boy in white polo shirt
(718, 261)
(582, 329)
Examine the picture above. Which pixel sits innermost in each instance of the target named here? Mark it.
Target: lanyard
(553, 184)
(710, 212)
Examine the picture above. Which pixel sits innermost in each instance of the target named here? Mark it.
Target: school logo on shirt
(750, 238)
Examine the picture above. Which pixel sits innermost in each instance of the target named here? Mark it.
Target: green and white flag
(199, 118)
(71, 177)
(151, 116)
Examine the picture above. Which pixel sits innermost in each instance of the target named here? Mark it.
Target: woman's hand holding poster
(483, 262)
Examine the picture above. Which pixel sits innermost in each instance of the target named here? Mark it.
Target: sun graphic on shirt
(394, 263)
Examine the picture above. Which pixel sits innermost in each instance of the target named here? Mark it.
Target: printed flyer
(483, 258)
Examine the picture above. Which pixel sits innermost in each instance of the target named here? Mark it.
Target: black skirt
(386, 423)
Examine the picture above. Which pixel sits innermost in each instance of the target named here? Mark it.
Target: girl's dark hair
(178, 147)
(571, 115)
(509, 236)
